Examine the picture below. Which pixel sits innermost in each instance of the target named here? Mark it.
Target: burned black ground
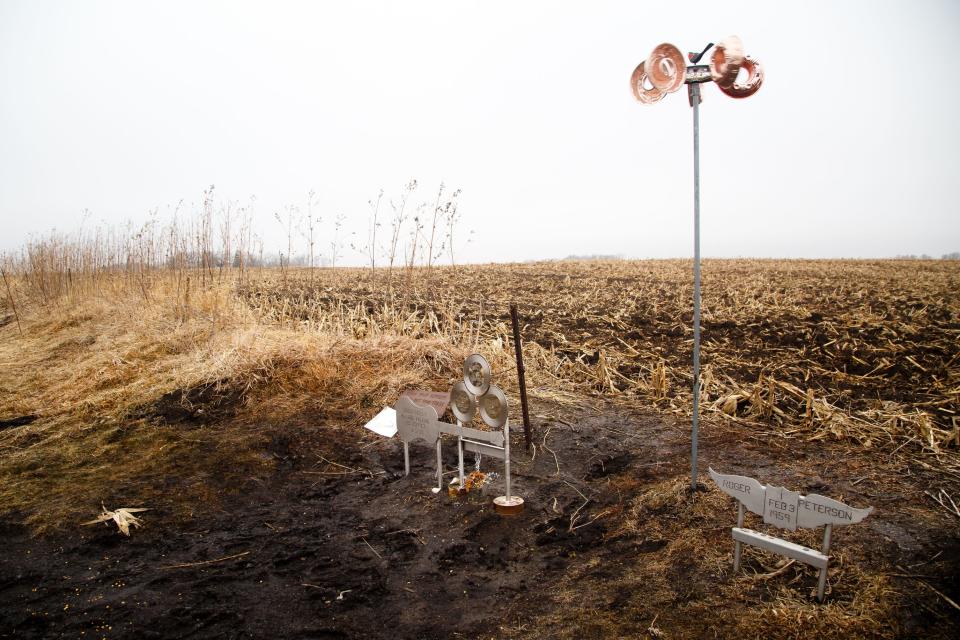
(339, 544)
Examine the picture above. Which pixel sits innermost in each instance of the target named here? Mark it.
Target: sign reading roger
(746, 490)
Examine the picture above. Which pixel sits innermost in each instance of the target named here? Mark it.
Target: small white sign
(747, 490)
(384, 423)
(816, 511)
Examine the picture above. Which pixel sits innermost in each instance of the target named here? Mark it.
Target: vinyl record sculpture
(665, 71)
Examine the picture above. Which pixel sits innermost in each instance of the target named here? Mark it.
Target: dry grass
(133, 402)
(149, 391)
(687, 589)
(858, 352)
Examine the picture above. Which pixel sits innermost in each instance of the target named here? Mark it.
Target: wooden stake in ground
(521, 378)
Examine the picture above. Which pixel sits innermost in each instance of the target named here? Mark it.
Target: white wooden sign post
(789, 510)
(420, 423)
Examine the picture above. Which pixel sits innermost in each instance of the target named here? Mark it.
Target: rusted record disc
(462, 403)
(476, 374)
(726, 60)
(666, 68)
(506, 507)
(493, 407)
(640, 92)
(749, 86)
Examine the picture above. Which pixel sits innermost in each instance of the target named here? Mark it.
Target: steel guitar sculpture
(663, 72)
(417, 423)
(787, 510)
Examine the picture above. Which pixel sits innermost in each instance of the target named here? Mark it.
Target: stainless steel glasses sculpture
(474, 394)
(663, 72)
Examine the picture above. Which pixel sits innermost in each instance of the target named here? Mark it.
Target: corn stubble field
(206, 394)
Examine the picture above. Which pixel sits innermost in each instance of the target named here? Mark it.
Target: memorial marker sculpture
(420, 423)
(789, 510)
(664, 71)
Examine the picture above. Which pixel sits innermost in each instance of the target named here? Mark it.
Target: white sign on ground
(786, 509)
(384, 423)
(418, 423)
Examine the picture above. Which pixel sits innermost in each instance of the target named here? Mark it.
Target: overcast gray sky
(850, 149)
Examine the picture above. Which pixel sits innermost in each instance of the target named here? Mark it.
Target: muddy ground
(339, 544)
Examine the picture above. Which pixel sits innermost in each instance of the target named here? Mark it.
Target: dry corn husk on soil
(123, 518)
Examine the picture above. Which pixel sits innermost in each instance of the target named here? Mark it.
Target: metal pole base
(508, 506)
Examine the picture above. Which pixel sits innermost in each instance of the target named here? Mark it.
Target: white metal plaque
(746, 490)
(808, 511)
(780, 507)
(816, 511)
(415, 422)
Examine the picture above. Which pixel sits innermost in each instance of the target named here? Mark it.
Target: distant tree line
(955, 255)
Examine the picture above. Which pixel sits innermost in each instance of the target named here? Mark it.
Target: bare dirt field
(233, 411)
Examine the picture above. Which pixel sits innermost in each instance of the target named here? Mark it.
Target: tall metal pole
(694, 93)
(651, 80)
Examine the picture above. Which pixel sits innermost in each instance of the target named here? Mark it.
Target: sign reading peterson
(789, 510)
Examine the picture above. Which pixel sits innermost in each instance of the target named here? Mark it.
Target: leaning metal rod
(694, 92)
(521, 378)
